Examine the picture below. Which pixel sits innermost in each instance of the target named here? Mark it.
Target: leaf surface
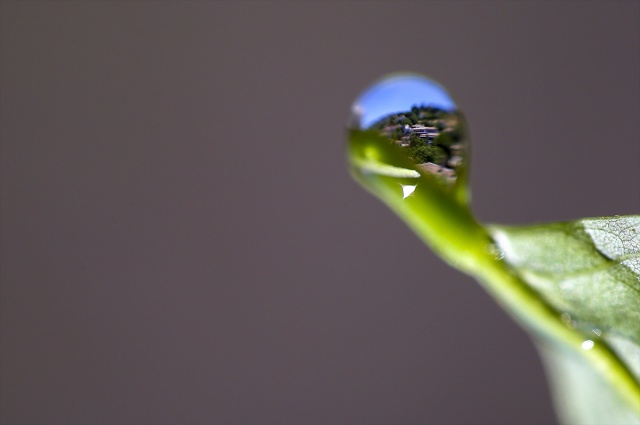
(589, 270)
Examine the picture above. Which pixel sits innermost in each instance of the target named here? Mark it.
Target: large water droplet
(420, 119)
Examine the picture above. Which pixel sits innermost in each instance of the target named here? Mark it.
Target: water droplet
(494, 250)
(420, 120)
(587, 345)
(597, 331)
(566, 319)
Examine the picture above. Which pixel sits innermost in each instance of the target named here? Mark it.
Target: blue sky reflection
(398, 94)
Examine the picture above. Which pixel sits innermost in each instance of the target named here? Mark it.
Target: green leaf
(587, 269)
(574, 286)
(590, 271)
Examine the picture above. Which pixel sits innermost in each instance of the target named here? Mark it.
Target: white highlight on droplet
(408, 189)
(587, 345)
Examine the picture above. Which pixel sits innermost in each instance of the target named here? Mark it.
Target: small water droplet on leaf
(566, 319)
(587, 345)
(494, 250)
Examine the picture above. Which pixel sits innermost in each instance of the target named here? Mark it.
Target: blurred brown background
(181, 242)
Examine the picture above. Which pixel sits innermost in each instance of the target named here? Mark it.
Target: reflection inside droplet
(587, 345)
(418, 116)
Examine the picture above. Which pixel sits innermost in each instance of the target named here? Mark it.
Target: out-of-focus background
(181, 241)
